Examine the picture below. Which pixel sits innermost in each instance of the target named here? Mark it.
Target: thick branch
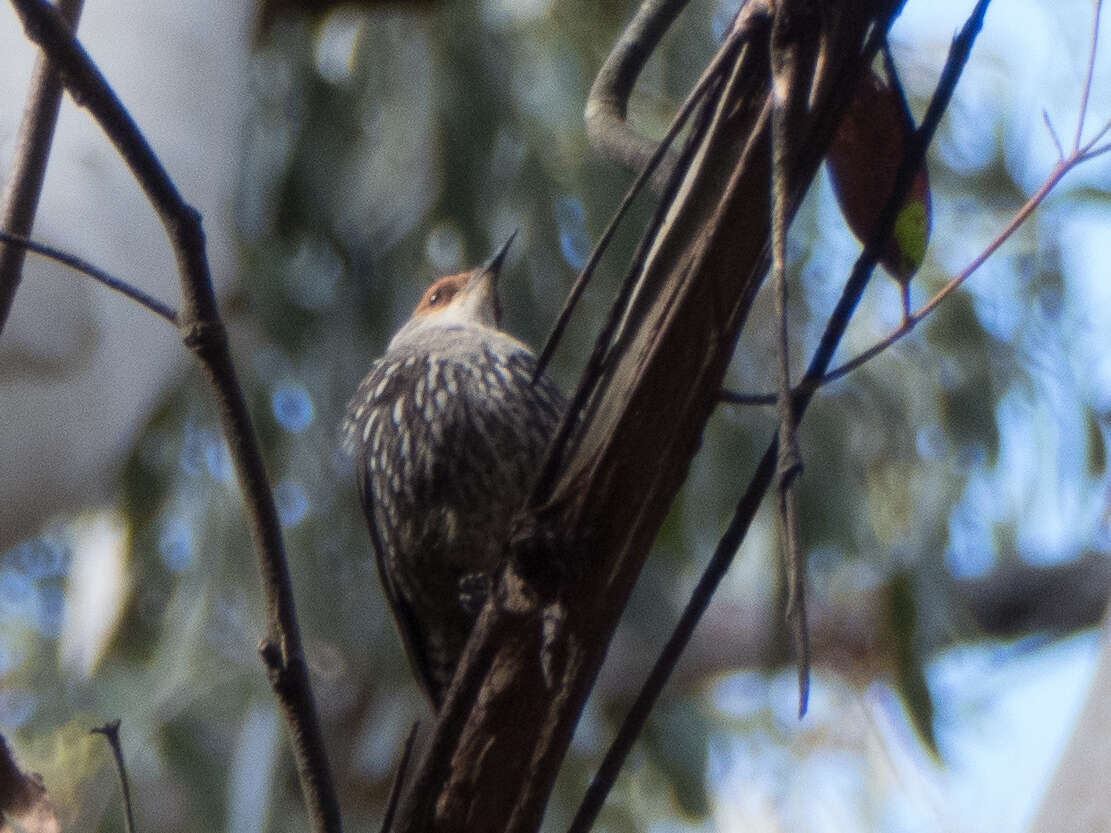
(606, 106)
(625, 454)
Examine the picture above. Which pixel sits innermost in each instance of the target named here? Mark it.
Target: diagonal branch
(607, 105)
(203, 333)
(28, 170)
(762, 478)
(711, 76)
(507, 721)
(1079, 154)
(78, 264)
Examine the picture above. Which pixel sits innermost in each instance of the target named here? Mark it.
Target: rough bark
(536, 650)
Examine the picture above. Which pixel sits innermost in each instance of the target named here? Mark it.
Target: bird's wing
(412, 638)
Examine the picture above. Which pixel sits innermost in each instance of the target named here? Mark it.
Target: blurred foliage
(387, 143)
(909, 677)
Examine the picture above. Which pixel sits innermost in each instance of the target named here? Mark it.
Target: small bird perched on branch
(449, 433)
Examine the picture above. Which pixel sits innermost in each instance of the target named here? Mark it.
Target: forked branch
(1080, 151)
(763, 477)
(203, 332)
(506, 723)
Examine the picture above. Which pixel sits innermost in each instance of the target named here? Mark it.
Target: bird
(449, 430)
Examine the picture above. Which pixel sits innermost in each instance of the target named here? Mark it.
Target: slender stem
(637, 716)
(396, 788)
(111, 732)
(733, 397)
(709, 77)
(912, 320)
(1053, 135)
(1087, 89)
(204, 334)
(700, 598)
(791, 63)
(1063, 167)
(596, 360)
(159, 308)
(1092, 154)
(28, 168)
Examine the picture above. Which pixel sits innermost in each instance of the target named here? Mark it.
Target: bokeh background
(955, 501)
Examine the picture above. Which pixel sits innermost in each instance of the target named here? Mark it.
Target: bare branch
(1086, 90)
(28, 170)
(1092, 154)
(710, 76)
(399, 778)
(793, 54)
(83, 266)
(111, 732)
(649, 693)
(896, 85)
(203, 333)
(733, 397)
(765, 471)
(1053, 135)
(911, 321)
(607, 104)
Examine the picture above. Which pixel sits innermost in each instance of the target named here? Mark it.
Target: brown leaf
(863, 161)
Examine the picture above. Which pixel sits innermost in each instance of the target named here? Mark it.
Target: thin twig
(1092, 154)
(709, 77)
(913, 154)
(896, 85)
(1051, 181)
(1053, 135)
(1064, 165)
(733, 397)
(159, 308)
(596, 361)
(111, 732)
(634, 721)
(1087, 89)
(204, 334)
(791, 66)
(28, 168)
(399, 778)
(912, 320)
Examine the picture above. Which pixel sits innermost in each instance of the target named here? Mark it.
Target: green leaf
(910, 678)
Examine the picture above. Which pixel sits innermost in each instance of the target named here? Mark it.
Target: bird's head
(466, 299)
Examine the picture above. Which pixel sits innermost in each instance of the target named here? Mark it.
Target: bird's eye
(434, 298)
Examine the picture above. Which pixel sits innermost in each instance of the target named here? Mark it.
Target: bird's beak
(493, 265)
(480, 296)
